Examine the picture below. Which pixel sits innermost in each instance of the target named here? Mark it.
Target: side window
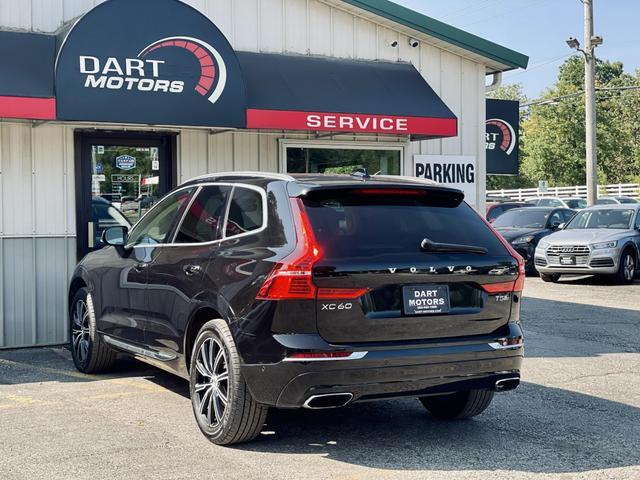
(246, 212)
(495, 212)
(554, 218)
(154, 227)
(202, 222)
(544, 202)
(568, 215)
(638, 219)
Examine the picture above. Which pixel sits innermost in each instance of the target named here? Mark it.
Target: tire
(549, 277)
(627, 268)
(215, 376)
(89, 351)
(459, 405)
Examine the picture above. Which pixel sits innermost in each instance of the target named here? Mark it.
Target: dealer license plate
(426, 299)
(567, 260)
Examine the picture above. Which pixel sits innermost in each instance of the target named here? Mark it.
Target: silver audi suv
(603, 239)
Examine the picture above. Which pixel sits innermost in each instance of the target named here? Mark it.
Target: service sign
(159, 62)
(502, 137)
(449, 170)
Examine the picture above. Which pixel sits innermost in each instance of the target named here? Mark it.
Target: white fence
(615, 190)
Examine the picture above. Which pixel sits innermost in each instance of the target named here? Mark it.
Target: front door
(119, 178)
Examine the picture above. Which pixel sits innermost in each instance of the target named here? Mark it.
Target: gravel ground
(577, 414)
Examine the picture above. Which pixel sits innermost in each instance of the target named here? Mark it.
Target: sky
(539, 28)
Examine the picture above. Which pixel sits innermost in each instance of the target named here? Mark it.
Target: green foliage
(553, 134)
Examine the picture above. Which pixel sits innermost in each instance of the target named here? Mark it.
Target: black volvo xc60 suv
(314, 291)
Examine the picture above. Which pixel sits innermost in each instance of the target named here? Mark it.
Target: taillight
(516, 285)
(341, 293)
(291, 277)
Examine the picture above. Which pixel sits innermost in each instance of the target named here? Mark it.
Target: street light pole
(590, 104)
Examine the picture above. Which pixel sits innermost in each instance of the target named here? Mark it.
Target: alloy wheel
(212, 382)
(629, 267)
(80, 331)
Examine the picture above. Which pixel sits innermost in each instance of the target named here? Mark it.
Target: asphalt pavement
(576, 415)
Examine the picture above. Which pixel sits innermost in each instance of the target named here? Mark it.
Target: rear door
(175, 272)
(375, 240)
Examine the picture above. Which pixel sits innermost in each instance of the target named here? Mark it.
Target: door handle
(190, 270)
(139, 267)
(91, 235)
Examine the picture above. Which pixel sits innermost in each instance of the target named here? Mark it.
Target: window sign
(125, 162)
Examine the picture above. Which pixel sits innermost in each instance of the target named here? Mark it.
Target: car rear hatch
(396, 263)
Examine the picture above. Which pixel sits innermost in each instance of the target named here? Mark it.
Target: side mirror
(115, 236)
(556, 226)
(561, 226)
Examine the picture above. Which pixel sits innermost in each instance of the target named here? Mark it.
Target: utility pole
(591, 41)
(590, 103)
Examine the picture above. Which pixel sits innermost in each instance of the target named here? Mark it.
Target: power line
(556, 100)
(507, 12)
(538, 65)
(476, 7)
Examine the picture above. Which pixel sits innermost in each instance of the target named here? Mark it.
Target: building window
(302, 159)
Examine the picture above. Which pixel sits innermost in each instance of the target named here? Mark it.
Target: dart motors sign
(502, 137)
(166, 65)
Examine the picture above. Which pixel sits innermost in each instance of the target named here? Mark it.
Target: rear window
(350, 224)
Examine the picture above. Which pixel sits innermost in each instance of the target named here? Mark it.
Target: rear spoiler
(447, 197)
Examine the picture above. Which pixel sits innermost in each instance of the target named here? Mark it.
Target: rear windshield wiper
(431, 246)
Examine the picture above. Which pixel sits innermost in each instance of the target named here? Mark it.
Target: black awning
(26, 75)
(326, 94)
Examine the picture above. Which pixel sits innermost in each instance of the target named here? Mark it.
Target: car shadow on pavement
(36, 365)
(534, 429)
(566, 329)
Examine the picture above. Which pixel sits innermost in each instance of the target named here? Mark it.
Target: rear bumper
(388, 371)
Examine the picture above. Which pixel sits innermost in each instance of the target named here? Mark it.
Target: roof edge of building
(435, 28)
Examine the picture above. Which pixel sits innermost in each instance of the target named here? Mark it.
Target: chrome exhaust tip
(506, 384)
(328, 400)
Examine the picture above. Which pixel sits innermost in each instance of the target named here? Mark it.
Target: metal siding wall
(271, 26)
(15, 13)
(37, 247)
(18, 292)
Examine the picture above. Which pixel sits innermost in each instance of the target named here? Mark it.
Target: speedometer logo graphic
(508, 134)
(213, 72)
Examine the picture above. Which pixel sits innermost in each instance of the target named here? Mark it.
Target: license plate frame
(426, 299)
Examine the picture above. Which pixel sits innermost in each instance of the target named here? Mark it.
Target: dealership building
(105, 106)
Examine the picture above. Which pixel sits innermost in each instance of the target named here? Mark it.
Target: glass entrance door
(122, 177)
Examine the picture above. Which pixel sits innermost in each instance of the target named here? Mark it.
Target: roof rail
(275, 176)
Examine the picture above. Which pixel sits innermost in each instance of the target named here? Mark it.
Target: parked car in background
(491, 199)
(572, 203)
(616, 200)
(523, 228)
(603, 239)
(312, 292)
(497, 209)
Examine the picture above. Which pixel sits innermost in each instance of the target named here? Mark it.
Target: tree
(554, 131)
